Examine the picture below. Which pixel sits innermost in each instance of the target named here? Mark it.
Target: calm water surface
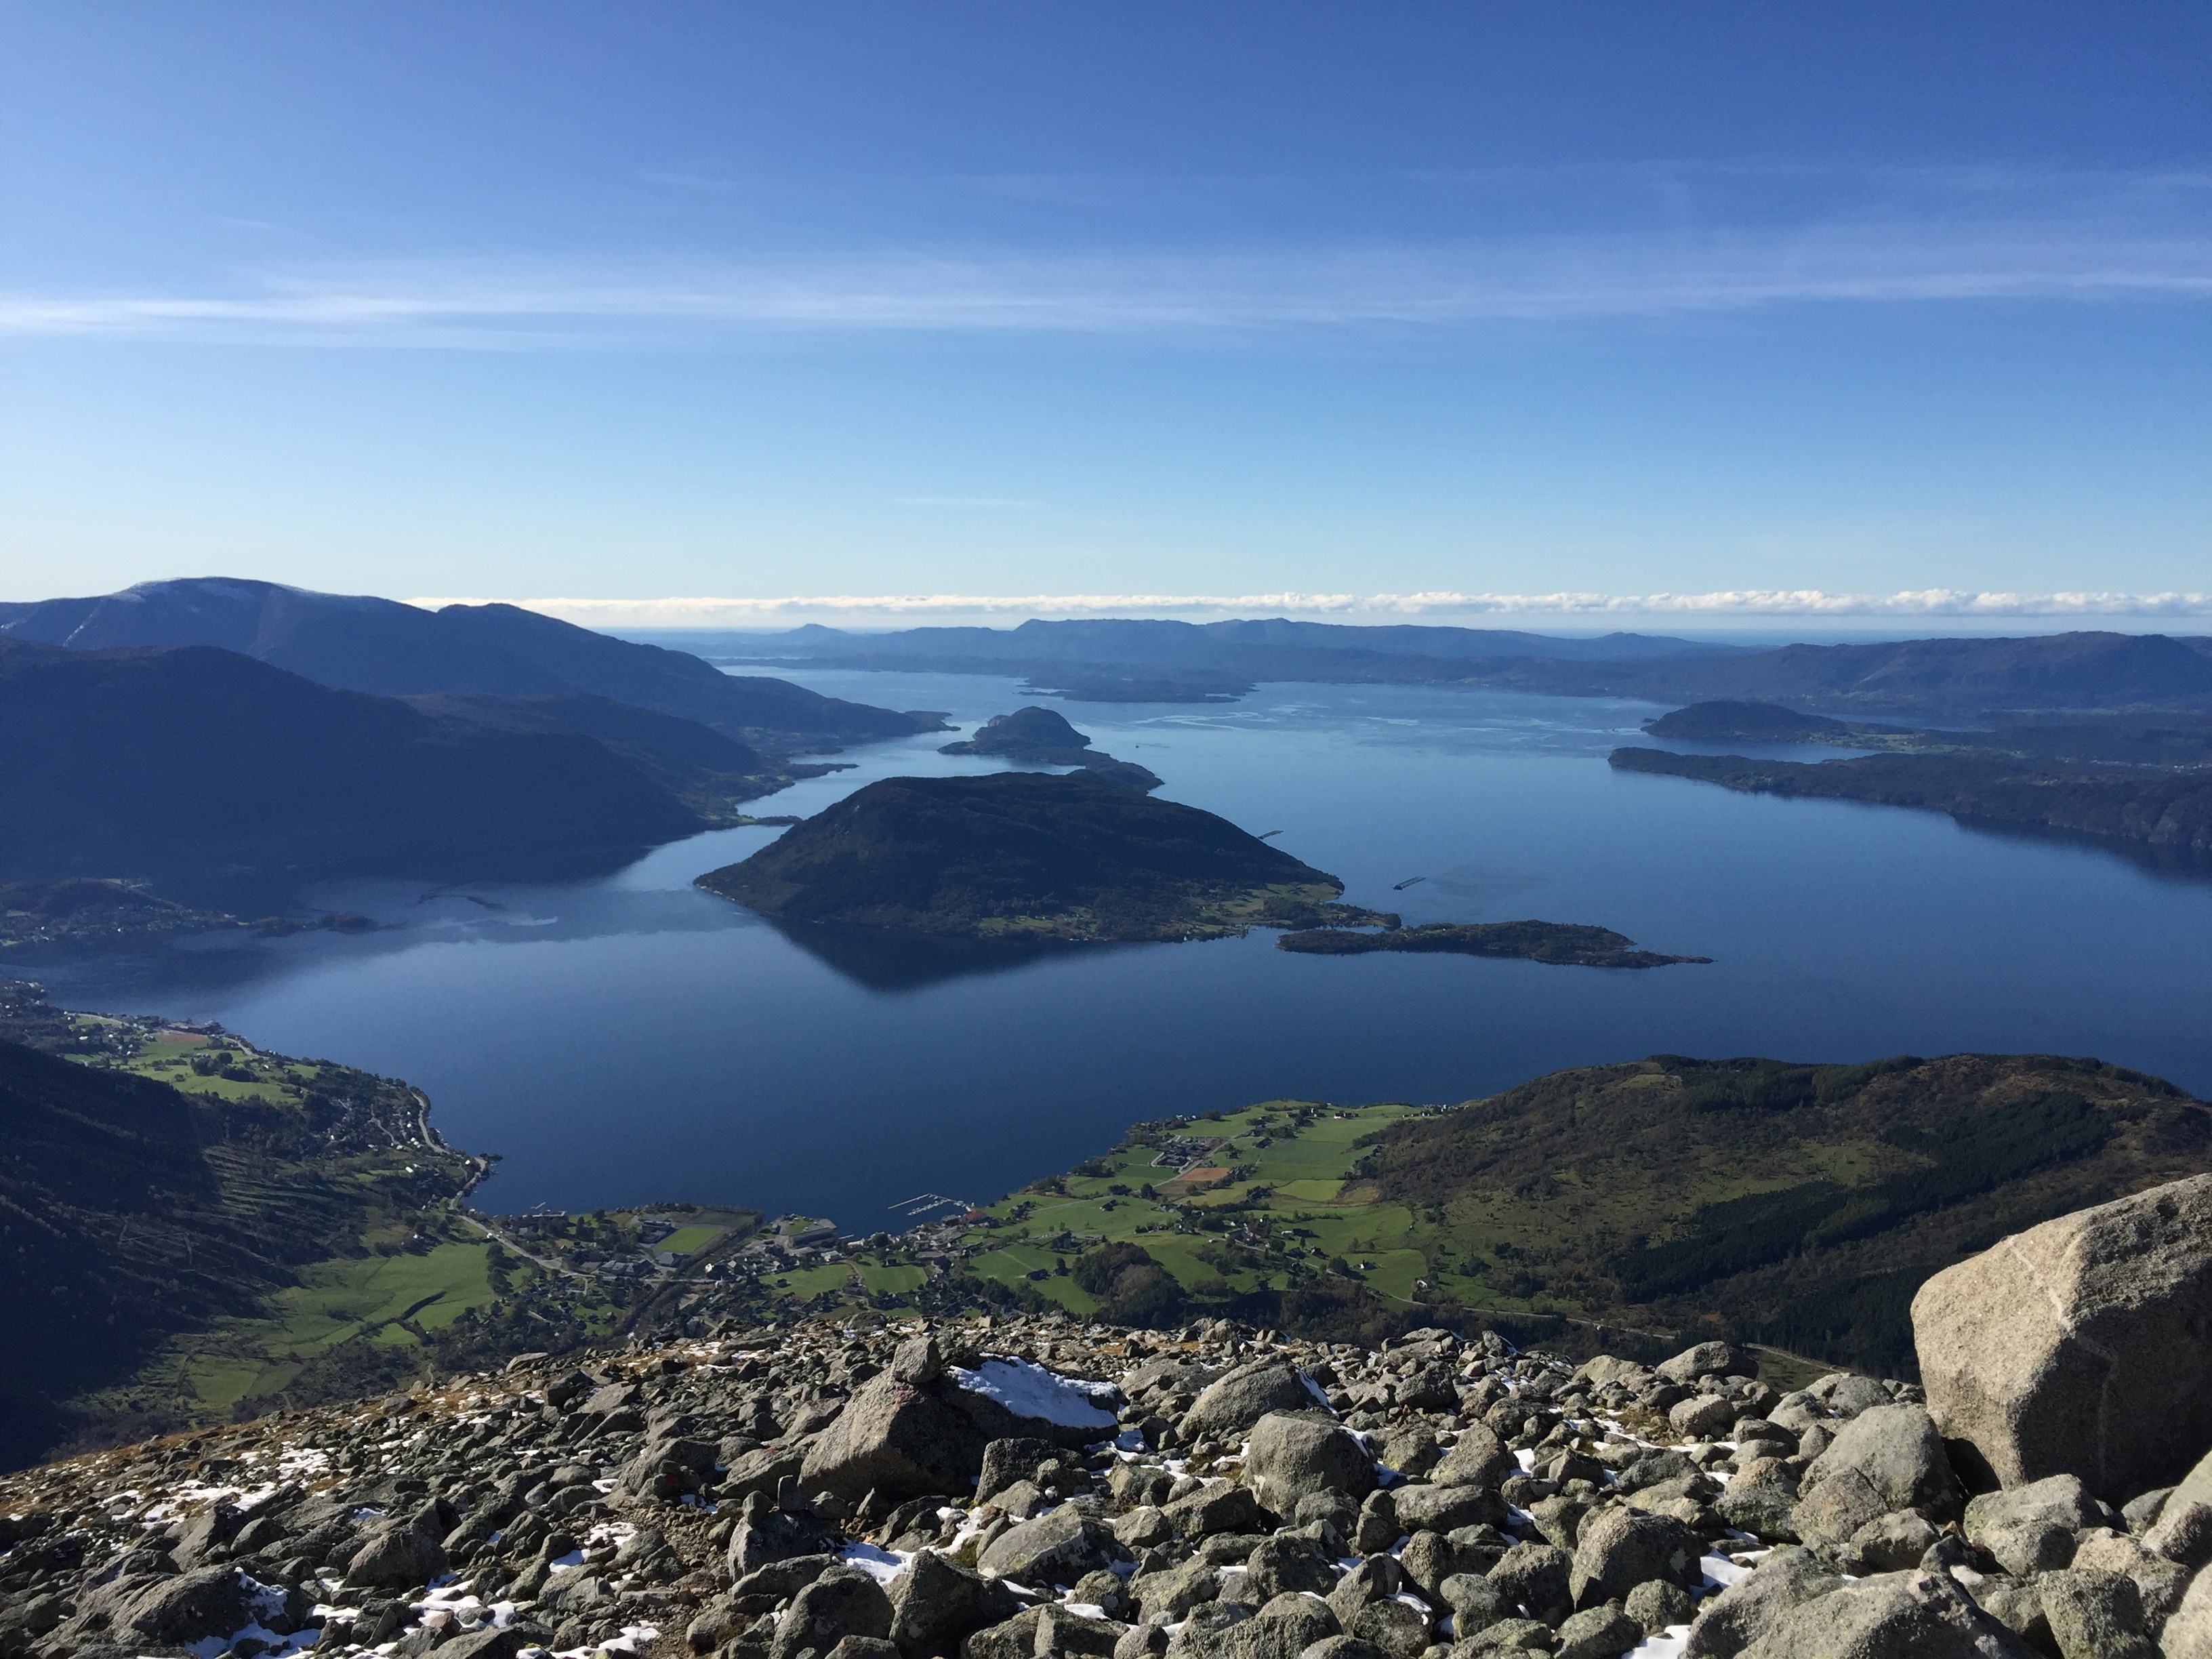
(633, 1039)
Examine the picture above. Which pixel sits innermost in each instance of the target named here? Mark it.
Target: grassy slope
(1796, 1205)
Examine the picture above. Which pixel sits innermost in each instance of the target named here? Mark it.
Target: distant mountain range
(1969, 679)
(362, 644)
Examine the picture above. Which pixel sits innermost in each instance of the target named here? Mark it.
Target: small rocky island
(1566, 943)
(1024, 855)
(1039, 737)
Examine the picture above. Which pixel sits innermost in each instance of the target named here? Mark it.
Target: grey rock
(1062, 1634)
(1216, 1506)
(2188, 1633)
(2061, 1498)
(2094, 1615)
(1144, 1529)
(1508, 1636)
(2183, 1533)
(2083, 1346)
(896, 1439)
(1169, 1597)
(936, 1601)
(1393, 1625)
(1847, 1393)
(1006, 1461)
(2160, 1582)
(1145, 1640)
(1286, 1565)
(1374, 1579)
(1830, 1512)
(1477, 1458)
(1708, 1359)
(397, 1555)
(1206, 1623)
(2019, 1609)
(776, 1536)
(1010, 1639)
(1343, 1647)
(1658, 1606)
(1599, 1632)
(1893, 1542)
(1702, 1417)
(1241, 1399)
(1620, 1549)
(1898, 1615)
(1292, 1458)
(1057, 1548)
(1899, 1452)
(2024, 1548)
(1537, 1579)
(1475, 1603)
(1759, 1498)
(1421, 1507)
(1756, 1603)
(1282, 1629)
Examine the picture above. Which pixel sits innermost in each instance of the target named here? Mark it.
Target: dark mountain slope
(1800, 1204)
(365, 644)
(1023, 854)
(156, 762)
(2127, 806)
(135, 1211)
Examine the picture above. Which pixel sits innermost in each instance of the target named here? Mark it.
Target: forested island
(1565, 943)
(1039, 736)
(1020, 855)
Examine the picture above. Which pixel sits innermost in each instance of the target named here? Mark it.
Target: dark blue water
(633, 1039)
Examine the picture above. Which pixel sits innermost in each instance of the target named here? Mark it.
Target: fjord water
(632, 1039)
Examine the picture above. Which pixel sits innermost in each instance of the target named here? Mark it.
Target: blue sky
(1070, 305)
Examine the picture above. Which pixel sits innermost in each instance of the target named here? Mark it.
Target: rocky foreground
(1037, 1487)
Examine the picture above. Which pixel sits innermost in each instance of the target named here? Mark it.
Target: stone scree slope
(1035, 1488)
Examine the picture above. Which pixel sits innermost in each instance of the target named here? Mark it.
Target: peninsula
(1565, 943)
(1025, 855)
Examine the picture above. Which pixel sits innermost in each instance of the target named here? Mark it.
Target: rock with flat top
(2082, 1346)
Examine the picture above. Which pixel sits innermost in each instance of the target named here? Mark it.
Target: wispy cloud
(2143, 238)
(963, 500)
(1740, 603)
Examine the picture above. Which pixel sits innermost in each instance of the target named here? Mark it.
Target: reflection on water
(888, 961)
(631, 1038)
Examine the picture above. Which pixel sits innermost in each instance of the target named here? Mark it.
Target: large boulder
(935, 1603)
(922, 1426)
(397, 1555)
(1478, 1458)
(1292, 1457)
(2080, 1346)
(1057, 1548)
(1617, 1549)
(843, 1602)
(1897, 1451)
(1241, 1399)
(1897, 1615)
(2188, 1633)
(1747, 1609)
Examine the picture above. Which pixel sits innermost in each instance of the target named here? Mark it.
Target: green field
(1289, 1215)
(685, 1240)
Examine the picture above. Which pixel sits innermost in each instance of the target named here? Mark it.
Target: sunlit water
(632, 1038)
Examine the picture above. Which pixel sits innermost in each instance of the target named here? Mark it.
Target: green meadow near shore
(1645, 1204)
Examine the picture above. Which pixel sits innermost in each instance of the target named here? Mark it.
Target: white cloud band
(1730, 605)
